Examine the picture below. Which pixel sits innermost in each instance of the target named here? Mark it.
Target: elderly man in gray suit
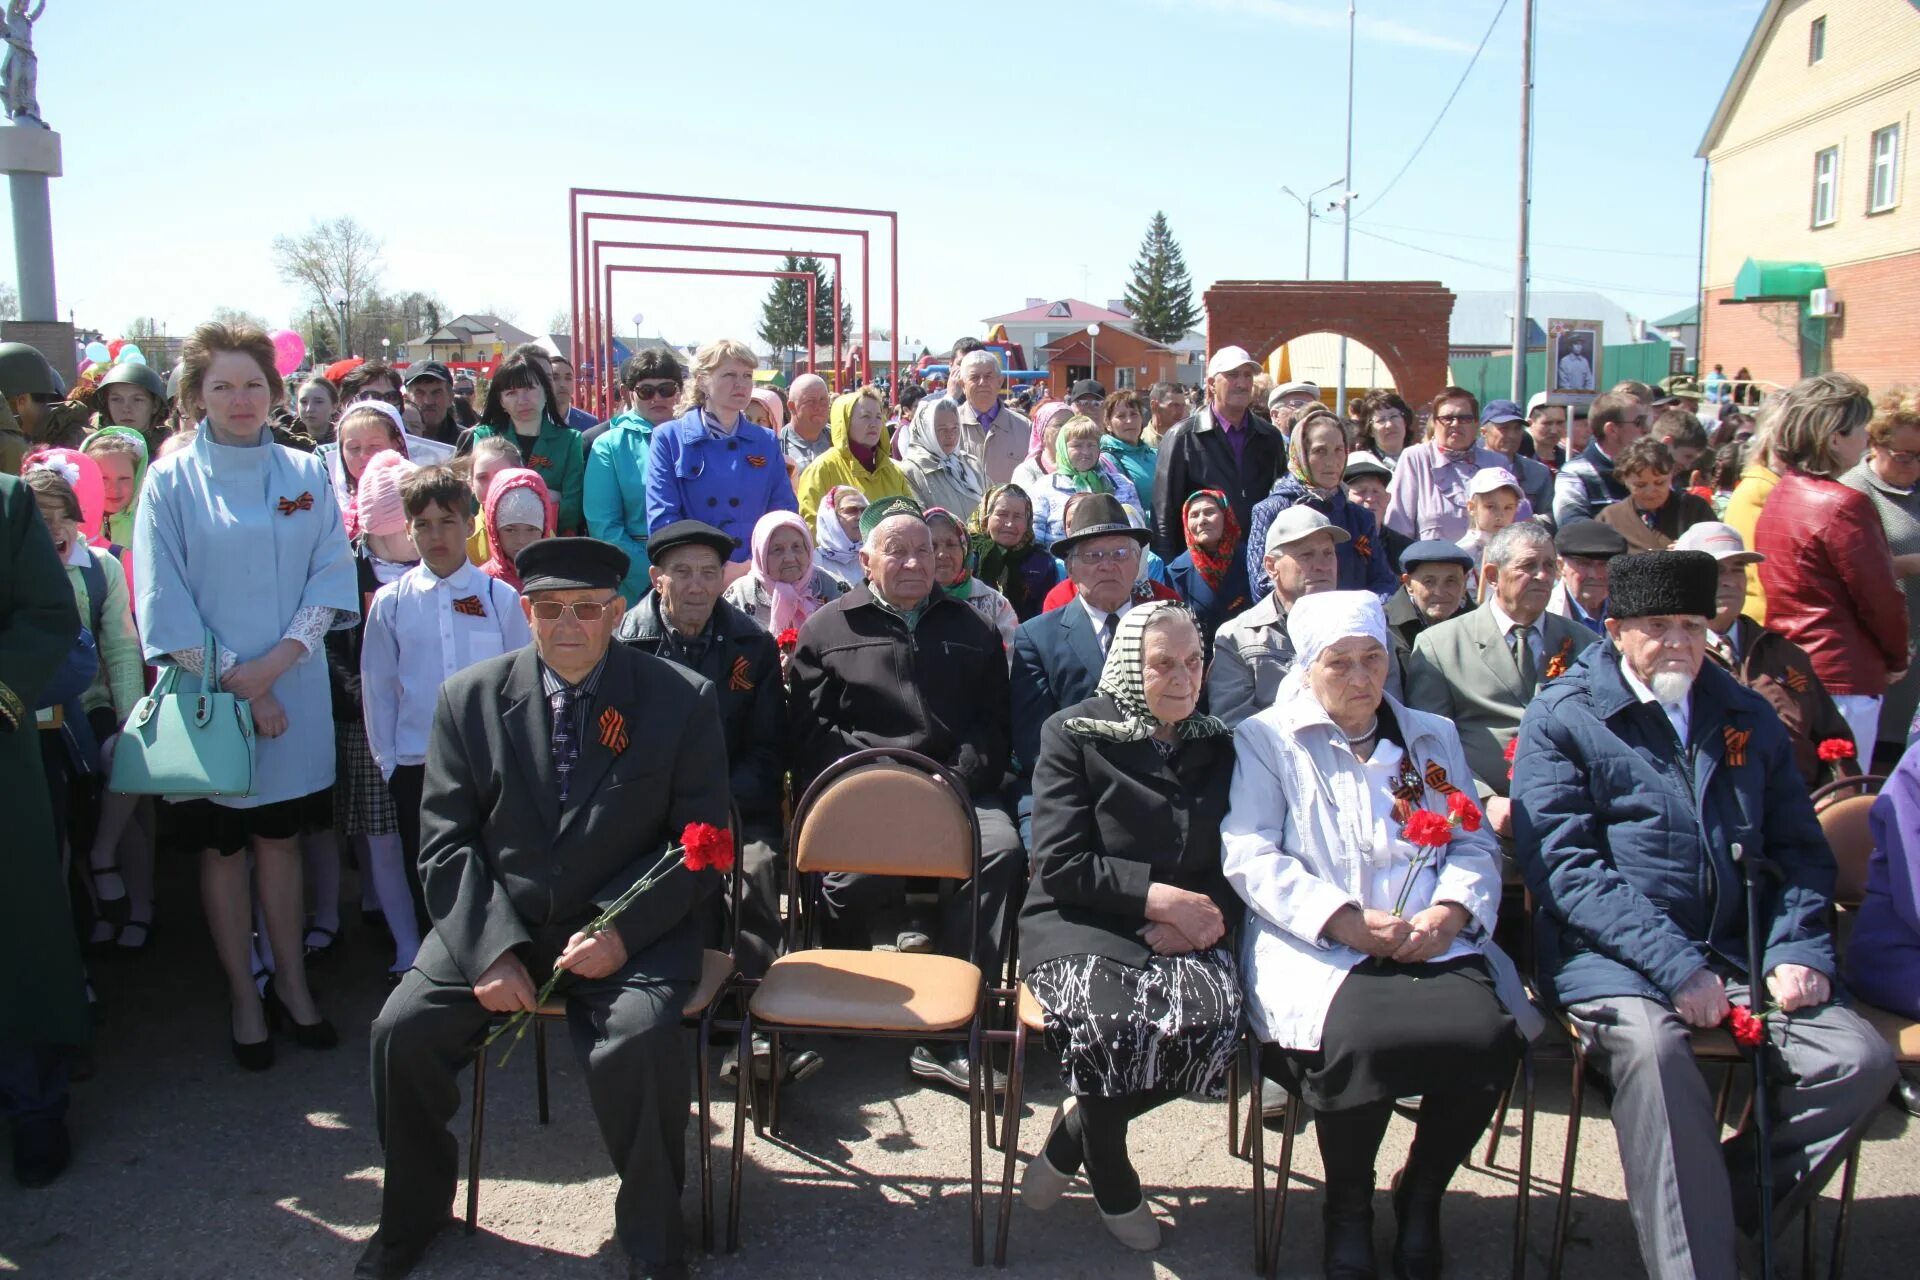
(994, 432)
(1482, 669)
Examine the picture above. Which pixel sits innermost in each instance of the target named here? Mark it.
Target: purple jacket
(1883, 956)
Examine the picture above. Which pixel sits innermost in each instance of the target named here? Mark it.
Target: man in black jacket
(556, 778)
(1433, 588)
(685, 620)
(1224, 446)
(897, 663)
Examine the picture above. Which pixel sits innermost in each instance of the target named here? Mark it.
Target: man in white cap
(1546, 432)
(1225, 446)
(1767, 662)
(1252, 652)
(1292, 395)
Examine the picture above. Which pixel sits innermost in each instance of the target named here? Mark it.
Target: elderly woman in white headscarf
(939, 469)
(837, 551)
(1371, 884)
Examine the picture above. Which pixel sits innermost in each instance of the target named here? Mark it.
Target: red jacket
(1829, 580)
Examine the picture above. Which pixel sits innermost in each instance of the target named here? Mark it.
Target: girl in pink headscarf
(772, 414)
(784, 586)
(1048, 417)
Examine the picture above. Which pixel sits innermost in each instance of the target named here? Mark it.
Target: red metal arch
(612, 269)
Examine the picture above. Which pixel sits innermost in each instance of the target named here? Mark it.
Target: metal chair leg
(1010, 1135)
(703, 1061)
(1525, 1179)
(1844, 1223)
(476, 1130)
(1806, 1237)
(1282, 1176)
(742, 1082)
(976, 1104)
(1257, 1154)
(540, 1062)
(1565, 1209)
(1233, 1109)
(1721, 1100)
(773, 1083)
(1500, 1113)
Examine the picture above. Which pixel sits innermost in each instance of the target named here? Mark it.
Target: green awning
(1759, 280)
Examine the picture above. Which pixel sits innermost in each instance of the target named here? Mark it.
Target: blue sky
(1025, 145)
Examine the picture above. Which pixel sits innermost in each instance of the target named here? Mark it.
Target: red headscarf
(1213, 565)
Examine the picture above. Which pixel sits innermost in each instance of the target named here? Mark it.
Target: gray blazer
(1463, 671)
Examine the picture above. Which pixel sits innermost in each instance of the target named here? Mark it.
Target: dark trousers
(405, 786)
(33, 1082)
(626, 1031)
(851, 899)
(763, 873)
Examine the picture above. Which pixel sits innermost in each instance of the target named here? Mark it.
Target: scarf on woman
(993, 563)
(118, 527)
(769, 400)
(344, 484)
(962, 587)
(793, 603)
(1124, 679)
(1297, 451)
(1048, 412)
(1214, 565)
(920, 443)
(869, 456)
(1092, 480)
(835, 550)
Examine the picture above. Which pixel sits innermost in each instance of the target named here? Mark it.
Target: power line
(1540, 244)
(1475, 262)
(1443, 109)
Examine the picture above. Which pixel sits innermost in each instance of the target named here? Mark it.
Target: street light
(339, 300)
(1306, 203)
(1093, 342)
(385, 343)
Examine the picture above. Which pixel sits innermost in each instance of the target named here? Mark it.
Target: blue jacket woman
(616, 494)
(1316, 461)
(711, 463)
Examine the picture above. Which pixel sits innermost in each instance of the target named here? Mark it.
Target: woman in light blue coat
(616, 490)
(241, 537)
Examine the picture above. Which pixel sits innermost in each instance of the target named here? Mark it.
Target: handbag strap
(210, 664)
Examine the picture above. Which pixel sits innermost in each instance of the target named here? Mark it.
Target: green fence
(1491, 377)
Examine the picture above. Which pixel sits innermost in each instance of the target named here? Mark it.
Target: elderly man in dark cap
(1635, 776)
(1586, 547)
(1433, 589)
(556, 776)
(686, 620)
(896, 662)
(429, 390)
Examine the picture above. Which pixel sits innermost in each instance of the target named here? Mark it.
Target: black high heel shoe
(257, 1056)
(308, 1035)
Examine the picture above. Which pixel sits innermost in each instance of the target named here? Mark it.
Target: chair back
(1850, 836)
(886, 813)
(1862, 784)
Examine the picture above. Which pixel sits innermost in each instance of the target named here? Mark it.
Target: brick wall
(1877, 338)
(1403, 321)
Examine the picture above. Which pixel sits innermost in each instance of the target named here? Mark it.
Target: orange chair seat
(1032, 1015)
(868, 991)
(715, 968)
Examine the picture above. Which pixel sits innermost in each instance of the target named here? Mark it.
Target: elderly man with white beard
(1635, 777)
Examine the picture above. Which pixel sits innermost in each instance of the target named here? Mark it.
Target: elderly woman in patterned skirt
(1124, 934)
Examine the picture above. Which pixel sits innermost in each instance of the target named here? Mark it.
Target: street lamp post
(385, 344)
(1093, 345)
(1306, 205)
(1346, 203)
(339, 299)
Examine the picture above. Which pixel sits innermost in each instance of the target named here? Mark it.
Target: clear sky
(1025, 145)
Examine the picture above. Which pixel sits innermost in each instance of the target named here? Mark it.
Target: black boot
(1347, 1222)
(1416, 1244)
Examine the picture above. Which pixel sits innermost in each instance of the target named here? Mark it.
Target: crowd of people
(1271, 720)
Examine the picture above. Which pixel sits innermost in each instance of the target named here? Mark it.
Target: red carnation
(1835, 749)
(1513, 745)
(788, 639)
(1428, 829)
(1462, 809)
(706, 847)
(1747, 1029)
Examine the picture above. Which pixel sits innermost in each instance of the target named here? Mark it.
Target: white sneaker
(1137, 1228)
(1043, 1184)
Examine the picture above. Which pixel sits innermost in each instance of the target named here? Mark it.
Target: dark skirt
(202, 824)
(1396, 1030)
(362, 805)
(1170, 1027)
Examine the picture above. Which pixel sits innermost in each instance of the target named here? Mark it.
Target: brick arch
(1404, 321)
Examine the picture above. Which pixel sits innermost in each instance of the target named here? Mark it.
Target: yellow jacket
(837, 466)
(1743, 513)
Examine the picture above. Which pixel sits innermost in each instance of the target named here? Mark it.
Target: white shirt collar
(1505, 623)
(77, 554)
(458, 580)
(1099, 616)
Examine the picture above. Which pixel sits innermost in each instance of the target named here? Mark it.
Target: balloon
(289, 349)
(113, 348)
(97, 350)
(130, 355)
(97, 370)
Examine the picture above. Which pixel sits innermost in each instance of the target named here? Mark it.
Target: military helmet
(137, 375)
(25, 372)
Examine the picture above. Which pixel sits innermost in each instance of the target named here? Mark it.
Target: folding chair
(716, 972)
(888, 813)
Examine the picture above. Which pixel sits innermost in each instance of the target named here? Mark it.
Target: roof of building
(1684, 316)
(1067, 339)
(468, 327)
(1484, 317)
(1070, 309)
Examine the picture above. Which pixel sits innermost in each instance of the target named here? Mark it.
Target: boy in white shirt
(439, 617)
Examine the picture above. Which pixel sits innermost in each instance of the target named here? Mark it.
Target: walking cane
(1752, 869)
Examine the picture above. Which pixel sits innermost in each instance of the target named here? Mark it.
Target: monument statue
(21, 74)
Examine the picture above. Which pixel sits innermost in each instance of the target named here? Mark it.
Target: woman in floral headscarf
(1124, 935)
(836, 552)
(1316, 465)
(938, 466)
(1005, 555)
(1371, 884)
(1048, 417)
(1211, 575)
(1078, 467)
(952, 574)
(784, 586)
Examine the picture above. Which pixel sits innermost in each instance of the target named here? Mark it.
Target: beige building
(1813, 243)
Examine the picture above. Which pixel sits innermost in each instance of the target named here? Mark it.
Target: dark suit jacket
(743, 662)
(1196, 455)
(505, 867)
(1056, 662)
(1110, 820)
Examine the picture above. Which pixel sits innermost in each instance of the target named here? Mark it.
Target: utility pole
(1700, 281)
(1519, 383)
(1346, 202)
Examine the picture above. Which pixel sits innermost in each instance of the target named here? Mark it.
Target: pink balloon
(289, 349)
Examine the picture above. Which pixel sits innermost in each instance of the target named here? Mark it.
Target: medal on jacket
(470, 606)
(737, 680)
(1407, 789)
(302, 503)
(613, 731)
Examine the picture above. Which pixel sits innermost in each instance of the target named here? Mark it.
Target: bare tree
(338, 255)
(234, 317)
(561, 322)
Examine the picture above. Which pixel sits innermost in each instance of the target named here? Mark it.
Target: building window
(1884, 191)
(1826, 174)
(1124, 378)
(1816, 41)
(1040, 339)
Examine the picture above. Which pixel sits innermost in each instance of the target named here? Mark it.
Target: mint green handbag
(187, 743)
